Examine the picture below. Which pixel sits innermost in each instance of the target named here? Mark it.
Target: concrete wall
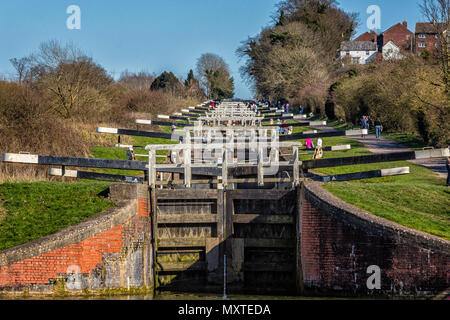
(339, 242)
(109, 251)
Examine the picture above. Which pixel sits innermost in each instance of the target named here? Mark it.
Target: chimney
(405, 24)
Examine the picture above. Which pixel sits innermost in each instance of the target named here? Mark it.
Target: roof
(391, 43)
(427, 27)
(358, 46)
(372, 36)
(399, 26)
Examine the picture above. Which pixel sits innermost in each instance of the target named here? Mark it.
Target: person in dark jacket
(447, 164)
(378, 128)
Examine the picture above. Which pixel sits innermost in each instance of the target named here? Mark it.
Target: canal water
(176, 296)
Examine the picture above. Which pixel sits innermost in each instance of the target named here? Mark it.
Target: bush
(408, 96)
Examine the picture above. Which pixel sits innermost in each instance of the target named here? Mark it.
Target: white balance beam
(107, 130)
(142, 121)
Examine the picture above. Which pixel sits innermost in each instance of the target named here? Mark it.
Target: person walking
(368, 123)
(287, 107)
(309, 144)
(363, 123)
(447, 164)
(301, 109)
(378, 128)
(318, 154)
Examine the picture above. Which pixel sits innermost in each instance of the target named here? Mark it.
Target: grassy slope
(29, 211)
(419, 200)
(121, 154)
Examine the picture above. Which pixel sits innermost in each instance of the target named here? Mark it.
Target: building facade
(427, 37)
(358, 52)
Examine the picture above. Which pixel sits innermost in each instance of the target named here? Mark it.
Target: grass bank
(30, 211)
(418, 200)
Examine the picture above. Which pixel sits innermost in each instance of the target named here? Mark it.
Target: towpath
(383, 145)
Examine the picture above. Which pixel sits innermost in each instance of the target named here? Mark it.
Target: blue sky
(158, 35)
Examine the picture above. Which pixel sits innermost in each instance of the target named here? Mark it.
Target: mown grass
(121, 154)
(418, 200)
(29, 211)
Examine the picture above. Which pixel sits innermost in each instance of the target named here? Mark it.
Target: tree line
(60, 94)
(294, 60)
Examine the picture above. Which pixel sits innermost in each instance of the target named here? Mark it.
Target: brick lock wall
(86, 255)
(337, 248)
(89, 256)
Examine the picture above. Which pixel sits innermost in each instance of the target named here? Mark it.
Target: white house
(391, 51)
(360, 52)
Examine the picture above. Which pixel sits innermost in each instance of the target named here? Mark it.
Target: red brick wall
(398, 34)
(336, 252)
(84, 256)
(430, 40)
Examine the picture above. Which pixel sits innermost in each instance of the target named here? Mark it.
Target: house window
(367, 53)
(436, 36)
(422, 35)
(422, 45)
(355, 60)
(348, 53)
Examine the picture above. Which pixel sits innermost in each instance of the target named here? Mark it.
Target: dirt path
(383, 145)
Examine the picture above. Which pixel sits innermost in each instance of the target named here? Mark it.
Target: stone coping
(325, 200)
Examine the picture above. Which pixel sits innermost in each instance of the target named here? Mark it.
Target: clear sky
(158, 35)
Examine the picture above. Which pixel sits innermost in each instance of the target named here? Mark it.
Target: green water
(175, 296)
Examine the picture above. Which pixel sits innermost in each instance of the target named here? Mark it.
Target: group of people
(284, 107)
(284, 128)
(365, 124)
(318, 151)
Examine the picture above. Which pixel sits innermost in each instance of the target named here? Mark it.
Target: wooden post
(299, 283)
(296, 168)
(260, 167)
(225, 167)
(187, 161)
(154, 235)
(152, 168)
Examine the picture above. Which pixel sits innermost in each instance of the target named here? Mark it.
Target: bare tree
(136, 81)
(207, 65)
(438, 14)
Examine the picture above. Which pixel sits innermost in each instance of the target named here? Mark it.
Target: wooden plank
(186, 218)
(181, 266)
(300, 135)
(161, 123)
(257, 194)
(188, 194)
(263, 219)
(298, 243)
(76, 162)
(181, 243)
(348, 161)
(154, 232)
(218, 181)
(365, 174)
(136, 133)
(269, 243)
(95, 176)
